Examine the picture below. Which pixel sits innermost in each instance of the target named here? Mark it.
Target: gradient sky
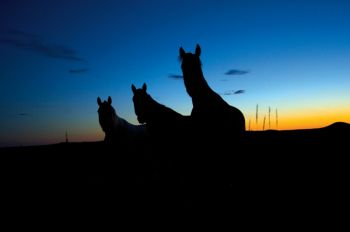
(58, 56)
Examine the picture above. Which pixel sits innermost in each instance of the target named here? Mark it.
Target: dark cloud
(239, 91)
(78, 71)
(236, 72)
(177, 77)
(35, 43)
(232, 92)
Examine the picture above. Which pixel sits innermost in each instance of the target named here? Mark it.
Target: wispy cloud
(35, 43)
(232, 92)
(78, 71)
(23, 114)
(15, 32)
(236, 72)
(176, 77)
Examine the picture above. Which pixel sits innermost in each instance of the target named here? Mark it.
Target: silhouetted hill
(292, 164)
(333, 135)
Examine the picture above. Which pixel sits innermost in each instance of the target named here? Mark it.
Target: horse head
(141, 101)
(106, 115)
(192, 71)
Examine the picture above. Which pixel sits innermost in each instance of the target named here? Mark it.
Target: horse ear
(182, 52)
(198, 50)
(99, 102)
(109, 100)
(133, 88)
(144, 87)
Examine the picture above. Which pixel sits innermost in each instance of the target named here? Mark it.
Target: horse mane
(157, 104)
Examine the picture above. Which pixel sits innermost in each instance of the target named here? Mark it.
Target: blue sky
(57, 57)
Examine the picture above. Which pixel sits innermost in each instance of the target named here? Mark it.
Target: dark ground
(267, 169)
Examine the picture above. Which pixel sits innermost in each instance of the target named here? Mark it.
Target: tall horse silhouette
(169, 135)
(116, 128)
(208, 106)
(159, 118)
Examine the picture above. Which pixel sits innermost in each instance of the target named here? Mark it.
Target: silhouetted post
(276, 119)
(66, 137)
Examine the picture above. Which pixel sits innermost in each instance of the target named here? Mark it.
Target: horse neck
(117, 121)
(200, 91)
(154, 109)
(132, 129)
(122, 123)
(195, 83)
(159, 112)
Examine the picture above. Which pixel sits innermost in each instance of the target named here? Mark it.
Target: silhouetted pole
(249, 125)
(264, 123)
(276, 119)
(66, 137)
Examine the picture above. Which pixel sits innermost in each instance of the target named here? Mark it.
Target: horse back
(217, 113)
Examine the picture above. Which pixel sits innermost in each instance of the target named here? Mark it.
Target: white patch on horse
(117, 129)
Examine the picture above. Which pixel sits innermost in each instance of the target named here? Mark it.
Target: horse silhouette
(169, 135)
(208, 106)
(159, 118)
(117, 129)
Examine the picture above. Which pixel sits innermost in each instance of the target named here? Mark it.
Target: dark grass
(265, 168)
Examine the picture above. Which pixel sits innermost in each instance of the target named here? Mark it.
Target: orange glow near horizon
(302, 119)
(314, 118)
(288, 119)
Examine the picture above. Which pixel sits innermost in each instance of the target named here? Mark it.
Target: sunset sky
(58, 56)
